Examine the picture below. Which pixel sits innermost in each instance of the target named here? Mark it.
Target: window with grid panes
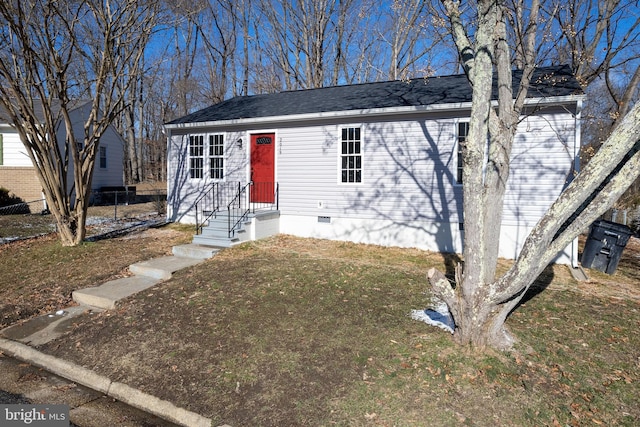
(351, 155)
(103, 157)
(216, 156)
(463, 133)
(196, 156)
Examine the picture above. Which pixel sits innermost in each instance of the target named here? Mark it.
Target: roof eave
(372, 112)
(322, 116)
(554, 100)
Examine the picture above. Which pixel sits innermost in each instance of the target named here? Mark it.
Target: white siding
(113, 174)
(541, 167)
(407, 172)
(408, 195)
(184, 191)
(14, 153)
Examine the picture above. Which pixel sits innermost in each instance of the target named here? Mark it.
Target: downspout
(577, 144)
(167, 134)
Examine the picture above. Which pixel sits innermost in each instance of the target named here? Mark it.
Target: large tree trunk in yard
(478, 300)
(484, 184)
(56, 56)
(480, 316)
(479, 322)
(70, 218)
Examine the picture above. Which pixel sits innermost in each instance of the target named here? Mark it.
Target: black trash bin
(604, 245)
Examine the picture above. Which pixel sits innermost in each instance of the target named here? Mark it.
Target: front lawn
(290, 331)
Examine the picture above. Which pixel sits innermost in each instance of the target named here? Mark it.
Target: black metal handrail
(237, 209)
(244, 200)
(264, 196)
(207, 205)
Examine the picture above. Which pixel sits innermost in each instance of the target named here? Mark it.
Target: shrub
(11, 203)
(160, 203)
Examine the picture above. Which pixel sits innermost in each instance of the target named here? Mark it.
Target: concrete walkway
(87, 407)
(18, 340)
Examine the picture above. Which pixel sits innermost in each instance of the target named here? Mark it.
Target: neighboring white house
(372, 163)
(17, 173)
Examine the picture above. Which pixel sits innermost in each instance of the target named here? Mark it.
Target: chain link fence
(127, 202)
(109, 210)
(24, 208)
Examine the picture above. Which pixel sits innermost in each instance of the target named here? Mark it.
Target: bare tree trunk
(480, 302)
(141, 128)
(50, 45)
(246, 7)
(132, 149)
(480, 239)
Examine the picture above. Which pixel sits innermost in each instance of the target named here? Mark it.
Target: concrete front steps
(216, 232)
(17, 339)
(254, 226)
(146, 275)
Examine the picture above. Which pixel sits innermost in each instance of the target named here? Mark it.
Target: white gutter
(371, 112)
(345, 114)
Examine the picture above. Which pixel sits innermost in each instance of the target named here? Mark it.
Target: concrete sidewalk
(18, 340)
(87, 407)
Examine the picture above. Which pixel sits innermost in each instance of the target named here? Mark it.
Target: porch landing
(257, 225)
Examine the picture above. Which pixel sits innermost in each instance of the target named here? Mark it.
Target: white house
(17, 173)
(372, 163)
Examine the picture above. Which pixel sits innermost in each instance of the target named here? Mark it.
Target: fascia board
(351, 114)
(322, 116)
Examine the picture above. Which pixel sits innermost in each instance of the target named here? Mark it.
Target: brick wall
(21, 181)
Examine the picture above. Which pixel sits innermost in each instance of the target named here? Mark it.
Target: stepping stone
(107, 295)
(195, 251)
(162, 268)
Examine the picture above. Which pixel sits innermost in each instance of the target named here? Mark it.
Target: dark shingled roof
(37, 108)
(546, 82)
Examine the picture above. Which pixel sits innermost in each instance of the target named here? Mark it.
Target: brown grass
(288, 331)
(39, 275)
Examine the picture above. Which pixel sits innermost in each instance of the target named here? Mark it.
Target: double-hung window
(351, 155)
(216, 156)
(463, 133)
(196, 156)
(103, 157)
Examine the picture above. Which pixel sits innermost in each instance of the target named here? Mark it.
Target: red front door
(262, 167)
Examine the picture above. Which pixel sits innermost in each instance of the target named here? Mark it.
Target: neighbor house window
(196, 156)
(351, 155)
(103, 157)
(216, 156)
(463, 133)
